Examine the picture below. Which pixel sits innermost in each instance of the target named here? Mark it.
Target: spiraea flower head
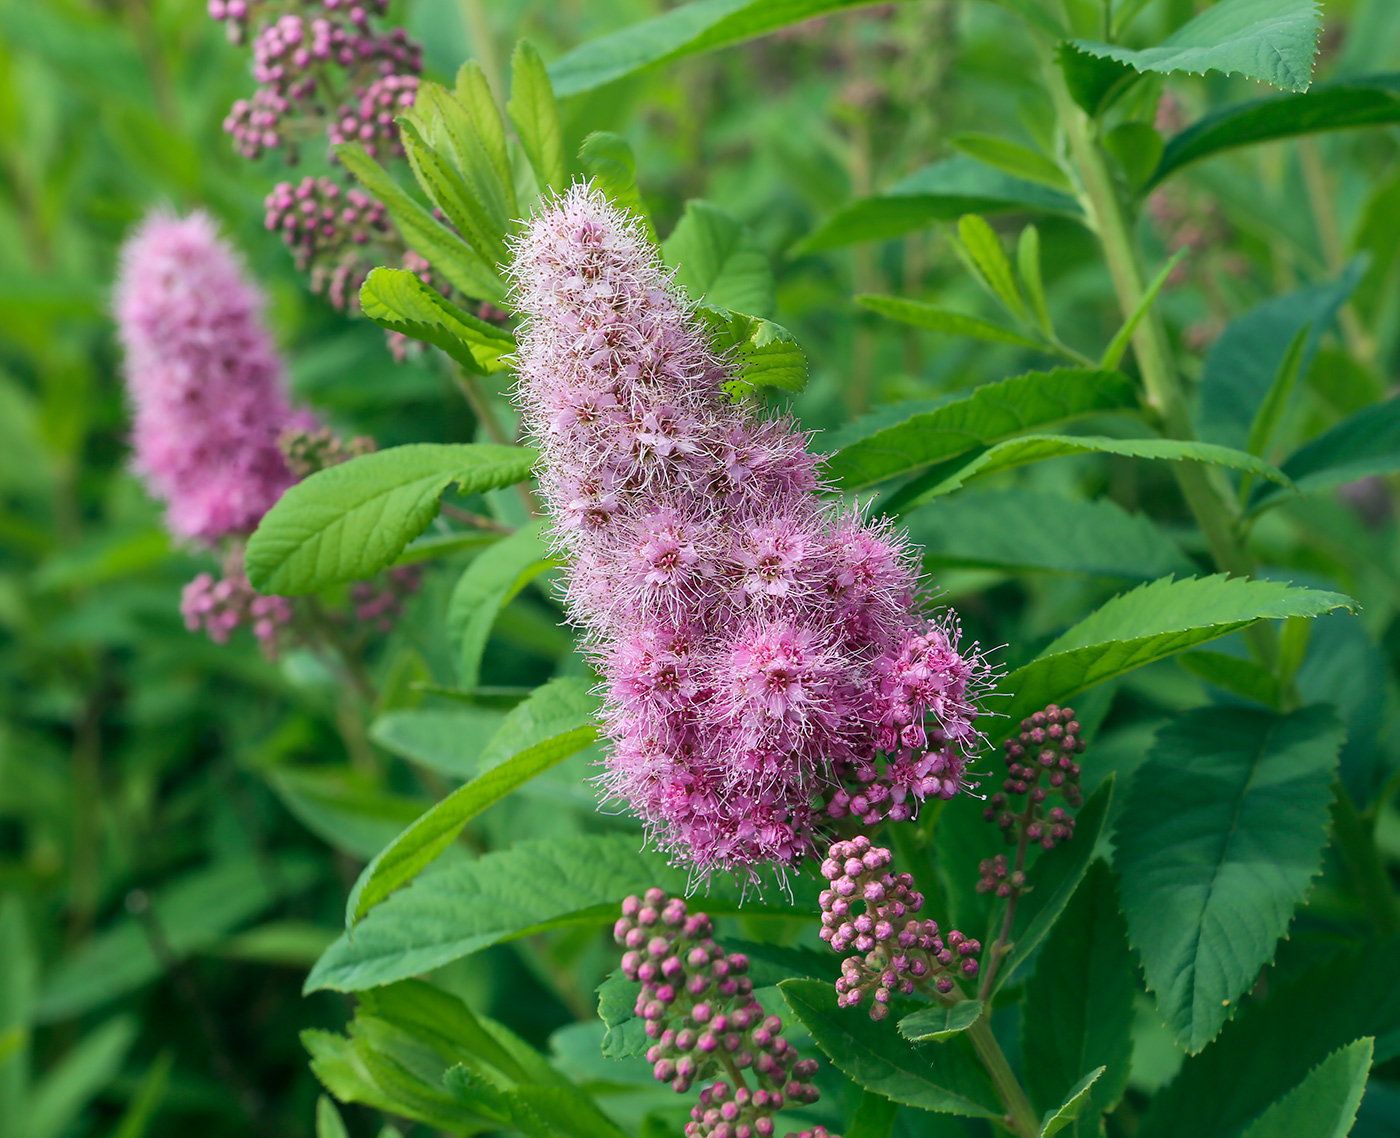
(766, 657)
(204, 379)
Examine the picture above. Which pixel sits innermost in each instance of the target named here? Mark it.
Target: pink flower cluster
(765, 656)
(218, 606)
(894, 949)
(205, 379)
(699, 1008)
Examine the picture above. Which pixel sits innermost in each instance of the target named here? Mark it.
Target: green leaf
(944, 1077)
(943, 191)
(1365, 444)
(478, 140)
(468, 271)
(1345, 105)
(536, 117)
(450, 192)
(702, 25)
(1147, 624)
(608, 158)
(1070, 1110)
(485, 587)
(874, 1117)
(464, 908)
(396, 299)
(1219, 841)
(196, 911)
(1054, 878)
(445, 740)
(760, 353)
(1006, 530)
(1094, 82)
(1237, 676)
(328, 1120)
(18, 987)
(146, 1102)
(1261, 1055)
(1013, 158)
(626, 1037)
(924, 315)
(347, 522)
(1078, 1007)
(1243, 363)
(981, 251)
(955, 473)
(1028, 264)
(1266, 419)
(1113, 354)
(1273, 41)
(984, 416)
(719, 262)
(1324, 1104)
(56, 1101)
(343, 808)
(1138, 148)
(939, 1022)
(554, 723)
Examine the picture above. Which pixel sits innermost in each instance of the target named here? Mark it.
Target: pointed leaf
(446, 740)
(1219, 841)
(923, 315)
(344, 808)
(347, 522)
(937, 1023)
(1074, 1104)
(980, 243)
(1367, 443)
(1028, 264)
(1273, 41)
(483, 227)
(1013, 158)
(1147, 624)
(328, 1121)
(1237, 676)
(1324, 1104)
(56, 1101)
(396, 299)
(536, 117)
(944, 1077)
(1113, 354)
(719, 262)
(608, 157)
(759, 352)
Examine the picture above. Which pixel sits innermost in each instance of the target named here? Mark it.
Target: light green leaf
(944, 1077)
(1113, 354)
(718, 261)
(61, 1096)
(554, 723)
(1005, 530)
(347, 522)
(468, 271)
(536, 117)
(1013, 158)
(288, 944)
(1150, 623)
(464, 908)
(702, 25)
(396, 299)
(1219, 841)
(485, 587)
(1233, 674)
(1138, 148)
(1266, 419)
(1367, 443)
(957, 472)
(981, 251)
(196, 911)
(1346, 105)
(19, 981)
(760, 353)
(1324, 1104)
(145, 1103)
(477, 140)
(608, 157)
(1273, 41)
(1028, 264)
(445, 740)
(984, 416)
(924, 315)
(943, 191)
(343, 808)
(450, 192)
(939, 1022)
(328, 1120)
(1070, 1110)
(1078, 1008)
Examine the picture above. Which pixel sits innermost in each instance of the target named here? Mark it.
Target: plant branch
(481, 407)
(1021, 1117)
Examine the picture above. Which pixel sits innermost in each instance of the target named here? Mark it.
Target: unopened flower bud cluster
(308, 451)
(873, 912)
(380, 603)
(699, 1009)
(220, 605)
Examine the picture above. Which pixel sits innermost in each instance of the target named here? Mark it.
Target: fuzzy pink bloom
(765, 657)
(204, 378)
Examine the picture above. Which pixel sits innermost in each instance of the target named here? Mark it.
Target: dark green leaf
(939, 1022)
(347, 522)
(943, 191)
(1233, 674)
(985, 416)
(1324, 1104)
(1365, 444)
(1273, 41)
(608, 158)
(556, 722)
(1219, 841)
(1078, 1008)
(1351, 103)
(1006, 530)
(874, 1117)
(56, 1100)
(944, 1077)
(536, 118)
(1138, 148)
(1072, 1108)
(1149, 623)
(396, 299)
(924, 315)
(1094, 81)
(1013, 158)
(718, 261)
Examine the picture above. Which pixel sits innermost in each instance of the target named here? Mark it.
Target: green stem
(1358, 849)
(480, 404)
(1020, 1115)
